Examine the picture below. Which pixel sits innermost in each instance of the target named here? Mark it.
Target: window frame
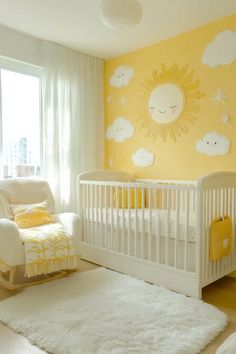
(27, 69)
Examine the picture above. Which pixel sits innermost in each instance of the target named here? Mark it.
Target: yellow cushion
(125, 203)
(220, 238)
(30, 215)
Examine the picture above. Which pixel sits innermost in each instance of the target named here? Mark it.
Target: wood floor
(221, 294)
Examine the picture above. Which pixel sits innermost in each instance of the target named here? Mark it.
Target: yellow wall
(174, 160)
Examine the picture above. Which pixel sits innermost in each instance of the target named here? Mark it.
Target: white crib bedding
(156, 223)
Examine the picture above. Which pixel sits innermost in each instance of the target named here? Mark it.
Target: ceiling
(77, 23)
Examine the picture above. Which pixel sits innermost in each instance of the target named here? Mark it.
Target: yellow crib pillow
(125, 203)
(30, 215)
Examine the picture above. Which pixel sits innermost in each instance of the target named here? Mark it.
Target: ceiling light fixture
(119, 14)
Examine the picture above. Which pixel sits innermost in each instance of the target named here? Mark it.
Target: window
(20, 90)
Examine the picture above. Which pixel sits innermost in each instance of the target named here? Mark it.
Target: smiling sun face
(166, 103)
(169, 104)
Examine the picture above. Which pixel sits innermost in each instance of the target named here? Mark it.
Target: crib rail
(152, 222)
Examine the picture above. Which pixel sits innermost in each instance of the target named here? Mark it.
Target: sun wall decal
(169, 103)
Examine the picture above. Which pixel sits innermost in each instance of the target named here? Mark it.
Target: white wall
(20, 46)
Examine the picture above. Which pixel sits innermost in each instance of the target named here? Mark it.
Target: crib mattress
(157, 222)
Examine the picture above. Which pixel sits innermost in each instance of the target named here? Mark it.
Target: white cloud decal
(121, 76)
(222, 50)
(143, 158)
(120, 130)
(213, 144)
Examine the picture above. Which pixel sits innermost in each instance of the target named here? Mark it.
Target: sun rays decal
(169, 103)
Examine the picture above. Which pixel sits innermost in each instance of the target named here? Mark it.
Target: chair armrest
(71, 222)
(10, 242)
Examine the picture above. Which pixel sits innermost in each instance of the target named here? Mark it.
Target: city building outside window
(20, 125)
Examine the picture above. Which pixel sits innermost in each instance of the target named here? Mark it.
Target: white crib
(156, 230)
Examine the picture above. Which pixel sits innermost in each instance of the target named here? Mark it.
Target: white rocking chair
(12, 252)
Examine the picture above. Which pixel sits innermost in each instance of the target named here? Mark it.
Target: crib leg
(197, 293)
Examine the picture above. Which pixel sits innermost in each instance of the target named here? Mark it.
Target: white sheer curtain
(72, 123)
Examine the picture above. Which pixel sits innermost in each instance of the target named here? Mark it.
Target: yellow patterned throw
(48, 245)
(48, 249)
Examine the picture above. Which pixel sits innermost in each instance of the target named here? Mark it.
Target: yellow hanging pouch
(220, 238)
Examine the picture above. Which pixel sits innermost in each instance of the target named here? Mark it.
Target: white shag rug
(101, 311)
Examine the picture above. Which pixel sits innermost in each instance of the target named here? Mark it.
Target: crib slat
(217, 202)
(200, 242)
(135, 223)
(142, 226)
(117, 221)
(181, 202)
(231, 213)
(178, 196)
(123, 220)
(96, 214)
(88, 215)
(157, 197)
(163, 205)
(101, 216)
(167, 225)
(92, 215)
(211, 216)
(227, 264)
(194, 202)
(84, 212)
(223, 263)
(105, 202)
(149, 225)
(112, 218)
(234, 221)
(206, 235)
(129, 211)
(186, 231)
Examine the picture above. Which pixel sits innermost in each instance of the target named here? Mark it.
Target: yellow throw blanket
(48, 249)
